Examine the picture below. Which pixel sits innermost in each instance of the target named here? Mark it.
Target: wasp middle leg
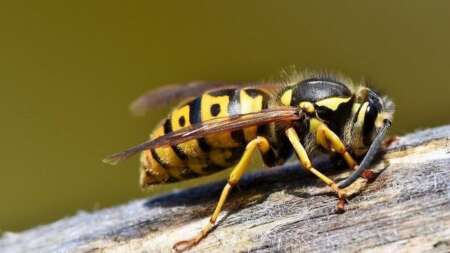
(307, 165)
(260, 143)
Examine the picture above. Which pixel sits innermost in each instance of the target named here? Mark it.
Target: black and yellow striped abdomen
(207, 155)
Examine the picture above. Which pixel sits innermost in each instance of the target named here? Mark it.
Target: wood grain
(406, 209)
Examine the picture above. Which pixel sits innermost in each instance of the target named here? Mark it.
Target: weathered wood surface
(406, 209)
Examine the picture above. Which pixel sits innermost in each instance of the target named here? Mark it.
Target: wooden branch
(406, 208)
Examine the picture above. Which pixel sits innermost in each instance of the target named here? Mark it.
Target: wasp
(222, 125)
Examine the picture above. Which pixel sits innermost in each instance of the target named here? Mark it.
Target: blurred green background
(68, 71)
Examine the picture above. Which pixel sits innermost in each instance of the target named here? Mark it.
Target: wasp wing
(171, 93)
(218, 125)
(168, 94)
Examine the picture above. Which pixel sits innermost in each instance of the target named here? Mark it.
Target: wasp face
(369, 113)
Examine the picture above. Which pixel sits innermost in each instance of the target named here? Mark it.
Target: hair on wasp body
(222, 125)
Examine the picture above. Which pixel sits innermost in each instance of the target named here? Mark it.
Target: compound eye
(371, 113)
(369, 122)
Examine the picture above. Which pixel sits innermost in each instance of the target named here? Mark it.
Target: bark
(406, 208)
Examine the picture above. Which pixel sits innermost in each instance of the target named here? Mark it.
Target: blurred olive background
(68, 71)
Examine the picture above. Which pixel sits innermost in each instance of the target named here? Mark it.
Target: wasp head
(370, 112)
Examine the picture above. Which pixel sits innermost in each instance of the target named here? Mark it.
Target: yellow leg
(259, 143)
(330, 141)
(307, 165)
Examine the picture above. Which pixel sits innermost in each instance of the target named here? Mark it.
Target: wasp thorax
(369, 112)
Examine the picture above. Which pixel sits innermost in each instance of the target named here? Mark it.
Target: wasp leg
(307, 165)
(330, 141)
(260, 143)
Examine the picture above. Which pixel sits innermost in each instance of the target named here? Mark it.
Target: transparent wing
(225, 124)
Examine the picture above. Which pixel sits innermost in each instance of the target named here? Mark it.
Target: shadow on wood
(406, 208)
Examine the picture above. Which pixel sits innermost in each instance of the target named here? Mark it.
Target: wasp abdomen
(214, 152)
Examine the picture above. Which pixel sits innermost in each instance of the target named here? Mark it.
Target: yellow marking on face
(355, 107)
(181, 116)
(286, 98)
(219, 106)
(250, 104)
(333, 102)
(361, 115)
(358, 146)
(379, 122)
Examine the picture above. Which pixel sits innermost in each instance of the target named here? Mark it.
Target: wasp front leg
(330, 141)
(307, 165)
(260, 143)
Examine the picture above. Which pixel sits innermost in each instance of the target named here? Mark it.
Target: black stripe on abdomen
(158, 159)
(178, 152)
(195, 118)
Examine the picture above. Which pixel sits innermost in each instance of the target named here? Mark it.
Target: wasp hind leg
(260, 143)
(307, 165)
